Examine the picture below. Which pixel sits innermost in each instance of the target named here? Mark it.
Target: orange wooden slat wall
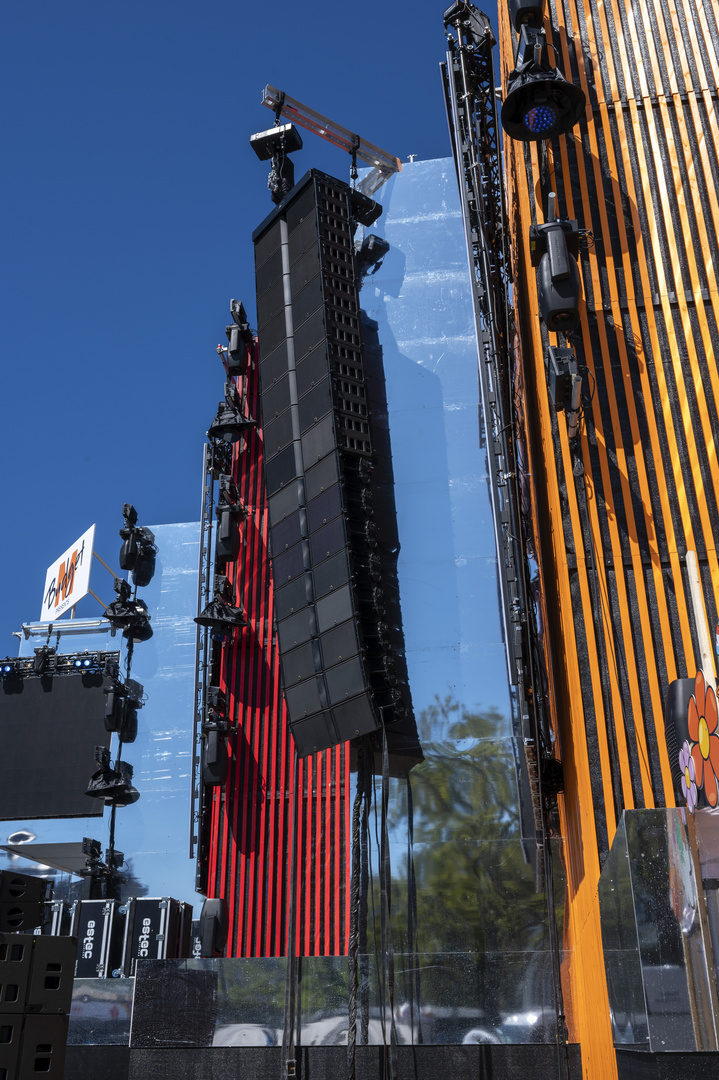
(615, 515)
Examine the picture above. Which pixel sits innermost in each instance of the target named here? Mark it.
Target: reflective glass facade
(481, 938)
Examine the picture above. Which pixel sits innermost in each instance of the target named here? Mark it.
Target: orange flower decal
(702, 721)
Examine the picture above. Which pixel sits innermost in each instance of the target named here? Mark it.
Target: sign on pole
(68, 579)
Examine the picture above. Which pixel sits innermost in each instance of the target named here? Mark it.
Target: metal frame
(383, 164)
(202, 643)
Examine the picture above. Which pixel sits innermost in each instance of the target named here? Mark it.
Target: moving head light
(539, 102)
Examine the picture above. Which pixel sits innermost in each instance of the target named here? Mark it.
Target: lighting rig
(113, 782)
(137, 554)
(553, 251)
(219, 617)
(48, 662)
(237, 353)
(122, 701)
(382, 164)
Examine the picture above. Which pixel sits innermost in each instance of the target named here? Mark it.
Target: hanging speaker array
(332, 526)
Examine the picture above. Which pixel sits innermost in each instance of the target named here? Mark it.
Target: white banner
(68, 579)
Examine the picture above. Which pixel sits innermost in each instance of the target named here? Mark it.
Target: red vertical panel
(327, 861)
(301, 874)
(309, 882)
(234, 711)
(346, 844)
(337, 825)
(253, 733)
(263, 910)
(318, 860)
(251, 835)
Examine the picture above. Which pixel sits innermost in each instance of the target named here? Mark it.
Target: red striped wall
(257, 816)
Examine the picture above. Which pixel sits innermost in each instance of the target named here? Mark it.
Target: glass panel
(658, 970)
(100, 1012)
(440, 998)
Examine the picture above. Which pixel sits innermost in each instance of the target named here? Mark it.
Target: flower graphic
(702, 722)
(689, 788)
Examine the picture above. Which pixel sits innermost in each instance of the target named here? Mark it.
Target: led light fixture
(85, 663)
(539, 102)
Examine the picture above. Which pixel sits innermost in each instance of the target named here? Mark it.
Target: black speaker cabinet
(333, 537)
(339, 624)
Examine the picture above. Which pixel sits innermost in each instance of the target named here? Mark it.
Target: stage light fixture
(139, 628)
(228, 510)
(112, 785)
(230, 423)
(275, 145)
(216, 712)
(240, 340)
(470, 22)
(144, 568)
(42, 659)
(214, 759)
(221, 617)
(130, 616)
(524, 11)
(86, 663)
(138, 550)
(562, 372)
(369, 255)
(539, 101)
(117, 859)
(91, 848)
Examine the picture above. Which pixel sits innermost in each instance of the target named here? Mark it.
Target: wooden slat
(640, 171)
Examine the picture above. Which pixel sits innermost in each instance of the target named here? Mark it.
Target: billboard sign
(68, 579)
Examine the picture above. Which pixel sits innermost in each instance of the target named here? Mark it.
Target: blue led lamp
(539, 102)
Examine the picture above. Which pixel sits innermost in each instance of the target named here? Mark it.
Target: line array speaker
(332, 534)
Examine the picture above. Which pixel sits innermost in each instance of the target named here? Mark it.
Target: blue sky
(131, 193)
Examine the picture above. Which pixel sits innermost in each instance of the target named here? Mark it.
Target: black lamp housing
(523, 11)
(276, 145)
(553, 247)
(230, 423)
(539, 102)
(561, 367)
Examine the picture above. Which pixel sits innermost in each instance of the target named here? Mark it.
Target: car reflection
(247, 1035)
